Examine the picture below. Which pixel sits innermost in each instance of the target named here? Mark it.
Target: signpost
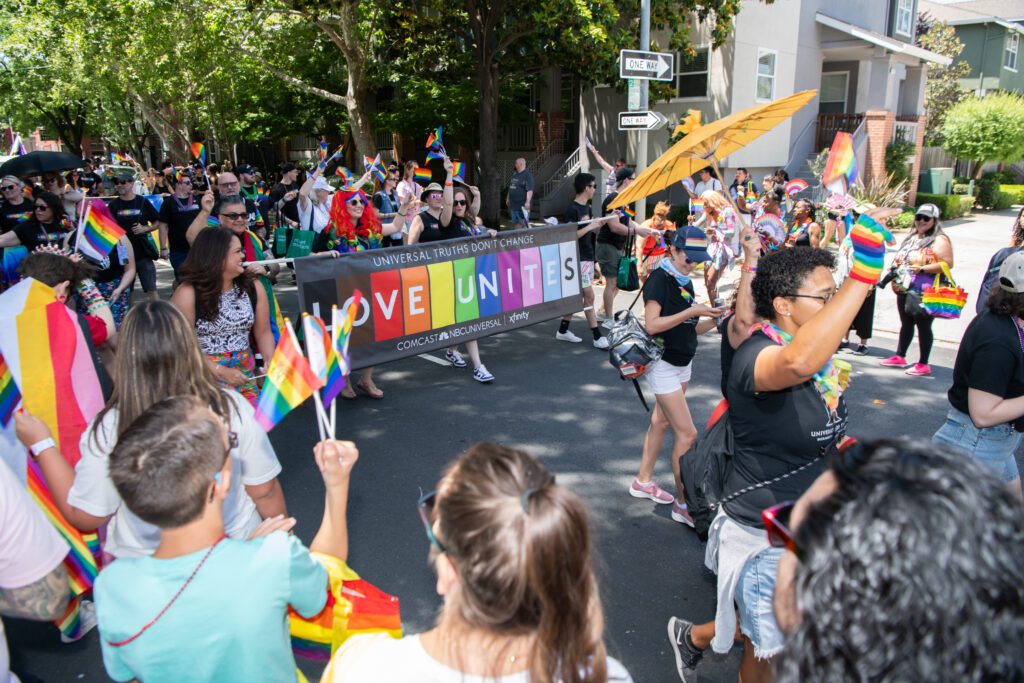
(641, 120)
(651, 66)
(633, 95)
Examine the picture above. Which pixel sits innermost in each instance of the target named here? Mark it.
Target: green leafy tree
(986, 129)
(942, 89)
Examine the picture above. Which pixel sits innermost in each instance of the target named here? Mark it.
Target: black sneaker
(688, 655)
(861, 350)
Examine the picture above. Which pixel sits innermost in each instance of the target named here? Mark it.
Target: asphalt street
(566, 405)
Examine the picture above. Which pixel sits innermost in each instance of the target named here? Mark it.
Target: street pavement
(566, 405)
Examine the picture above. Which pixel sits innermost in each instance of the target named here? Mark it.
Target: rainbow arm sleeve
(868, 237)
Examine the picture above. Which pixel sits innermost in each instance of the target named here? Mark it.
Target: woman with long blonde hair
(721, 227)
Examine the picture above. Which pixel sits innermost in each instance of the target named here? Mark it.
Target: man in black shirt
(579, 211)
(138, 218)
(90, 181)
(611, 241)
(287, 192)
(15, 208)
(176, 214)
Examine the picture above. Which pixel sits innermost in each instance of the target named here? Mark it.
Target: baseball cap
(245, 168)
(287, 167)
(1011, 273)
(321, 184)
(929, 210)
(624, 173)
(693, 242)
(124, 176)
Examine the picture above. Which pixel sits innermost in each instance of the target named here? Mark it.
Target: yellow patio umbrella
(709, 143)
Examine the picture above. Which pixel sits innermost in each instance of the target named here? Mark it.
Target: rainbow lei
(826, 380)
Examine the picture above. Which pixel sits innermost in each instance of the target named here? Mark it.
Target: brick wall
(548, 126)
(879, 127)
(915, 168)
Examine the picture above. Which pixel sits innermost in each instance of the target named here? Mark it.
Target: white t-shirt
(252, 463)
(408, 188)
(379, 658)
(321, 215)
(30, 548)
(712, 184)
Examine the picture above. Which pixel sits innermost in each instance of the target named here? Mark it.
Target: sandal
(348, 394)
(374, 393)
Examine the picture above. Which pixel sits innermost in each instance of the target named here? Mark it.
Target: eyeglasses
(921, 218)
(8, 188)
(426, 508)
(776, 524)
(234, 216)
(41, 207)
(460, 202)
(820, 297)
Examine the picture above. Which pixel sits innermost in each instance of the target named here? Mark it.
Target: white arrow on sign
(640, 64)
(641, 120)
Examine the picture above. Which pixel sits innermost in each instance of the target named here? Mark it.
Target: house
(991, 32)
(860, 56)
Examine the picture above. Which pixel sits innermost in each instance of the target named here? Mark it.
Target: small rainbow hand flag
(628, 212)
(696, 206)
(337, 152)
(212, 221)
(795, 186)
(435, 154)
(100, 232)
(323, 150)
(322, 357)
(841, 169)
(422, 175)
(290, 381)
(10, 397)
(262, 193)
(459, 170)
(342, 325)
(199, 152)
(434, 139)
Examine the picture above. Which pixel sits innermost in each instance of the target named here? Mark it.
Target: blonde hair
(662, 209)
(714, 200)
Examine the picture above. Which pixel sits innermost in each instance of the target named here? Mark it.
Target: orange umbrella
(708, 143)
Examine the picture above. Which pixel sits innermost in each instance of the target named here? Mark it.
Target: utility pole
(641, 136)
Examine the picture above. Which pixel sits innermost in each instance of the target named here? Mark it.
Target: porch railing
(830, 124)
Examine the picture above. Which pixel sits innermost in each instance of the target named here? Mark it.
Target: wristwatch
(38, 447)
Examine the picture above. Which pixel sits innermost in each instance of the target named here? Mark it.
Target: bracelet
(91, 298)
(39, 447)
(749, 269)
(449, 184)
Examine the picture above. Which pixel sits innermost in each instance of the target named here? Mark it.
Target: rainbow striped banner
(99, 233)
(422, 175)
(429, 296)
(290, 381)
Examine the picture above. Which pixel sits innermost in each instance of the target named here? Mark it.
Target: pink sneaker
(920, 370)
(650, 490)
(894, 362)
(681, 514)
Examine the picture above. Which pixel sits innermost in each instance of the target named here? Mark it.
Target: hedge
(951, 205)
(1017, 191)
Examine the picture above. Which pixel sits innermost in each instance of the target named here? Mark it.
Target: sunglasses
(434, 195)
(121, 182)
(921, 218)
(8, 188)
(776, 524)
(355, 201)
(426, 508)
(460, 202)
(234, 216)
(42, 207)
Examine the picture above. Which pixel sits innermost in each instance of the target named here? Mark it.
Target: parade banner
(430, 296)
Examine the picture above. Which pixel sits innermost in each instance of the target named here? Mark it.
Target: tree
(986, 129)
(943, 89)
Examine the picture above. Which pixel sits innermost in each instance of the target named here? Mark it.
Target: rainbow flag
(459, 171)
(323, 150)
(628, 212)
(434, 139)
(199, 152)
(436, 154)
(100, 232)
(10, 397)
(343, 172)
(374, 165)
(337, 153)
(262, 192)
(48, 358)
(696, 206)
(841, 169)
(290, 381)
(322, 357)
(157, 200)
(795, 186)
(342, 326)
(212, 221)
(422, 175)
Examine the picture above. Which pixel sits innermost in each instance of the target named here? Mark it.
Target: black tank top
(727, 351)
(431, 228)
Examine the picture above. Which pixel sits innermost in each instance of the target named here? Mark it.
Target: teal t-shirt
(229, 624)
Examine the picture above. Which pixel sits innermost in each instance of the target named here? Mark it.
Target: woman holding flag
(47, 226)
(115, 274)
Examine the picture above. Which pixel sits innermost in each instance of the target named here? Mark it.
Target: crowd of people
(835, 560)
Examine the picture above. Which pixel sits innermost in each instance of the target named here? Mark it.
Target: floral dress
(225, 339)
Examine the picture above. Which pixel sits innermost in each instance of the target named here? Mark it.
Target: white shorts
(586, 273)
(665, 378)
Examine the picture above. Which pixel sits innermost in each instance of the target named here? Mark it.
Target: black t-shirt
(581, 212)
(128, 214)
(34, 234)
(606, 235)
(774, 433)
(178, 214)
(990, 359)
(289, 209)
(727, 354)
(13, 215)
(680, 341)
(90, 183)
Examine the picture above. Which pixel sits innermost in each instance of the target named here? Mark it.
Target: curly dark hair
(203, 268)
(1017, 234)
(1009, 304)
(782, 272)
(911, 571)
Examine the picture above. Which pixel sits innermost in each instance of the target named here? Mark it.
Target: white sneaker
(567, 336)
(455, 358)
(481, 375)
(87, 618)
(601, 343)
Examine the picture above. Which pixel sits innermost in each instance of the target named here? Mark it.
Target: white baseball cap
(1011, 273)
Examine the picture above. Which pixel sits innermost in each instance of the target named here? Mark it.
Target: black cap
(124, 175)
(623, 173)
(288, 167)
(245, 168)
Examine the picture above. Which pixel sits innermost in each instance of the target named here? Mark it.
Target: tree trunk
(353, 46)
(490, 183)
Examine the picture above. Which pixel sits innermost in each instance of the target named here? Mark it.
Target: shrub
(896, 155)
(1004, 176)
(904, 221)
(1006, 200)
(1016, 190)
(951, 205)
(986, 193)
(961, 188)
(986, 129)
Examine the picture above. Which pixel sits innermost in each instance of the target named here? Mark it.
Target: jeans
(993, 447)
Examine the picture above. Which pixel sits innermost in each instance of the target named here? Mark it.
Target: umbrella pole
(728, 195)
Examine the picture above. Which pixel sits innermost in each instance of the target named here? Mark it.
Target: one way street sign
(652, 66)
(641, 120)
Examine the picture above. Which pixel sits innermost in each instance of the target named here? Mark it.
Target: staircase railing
(569, 167)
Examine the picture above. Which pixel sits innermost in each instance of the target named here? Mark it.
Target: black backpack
(704, 469)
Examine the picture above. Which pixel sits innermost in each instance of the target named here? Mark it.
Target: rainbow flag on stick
(459, 171)
(841, 169)
(199, 152)
(422, 175)
(47, 356)
(434, 139)
(322, 358)
(290, 381)
(342, 328)
(100, 230)
(323, 150)
(10, 397)
(436, 154)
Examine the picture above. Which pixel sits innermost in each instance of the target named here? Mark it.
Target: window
(1010, 56)
(692, 74)
(832, 96)
(905, 17)
(766, 74)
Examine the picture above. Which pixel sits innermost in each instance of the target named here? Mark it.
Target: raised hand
(272, 524)
(207, 201)
(335, 460)
(29, 428)
(868, 237)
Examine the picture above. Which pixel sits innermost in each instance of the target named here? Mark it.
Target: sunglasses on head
(426, 508)
(776, 524)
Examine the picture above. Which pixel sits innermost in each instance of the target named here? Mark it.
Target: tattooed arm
(44, 600)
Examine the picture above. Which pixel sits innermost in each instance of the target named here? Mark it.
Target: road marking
(435, 359)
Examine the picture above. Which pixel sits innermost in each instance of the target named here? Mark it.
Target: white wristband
(39, 446)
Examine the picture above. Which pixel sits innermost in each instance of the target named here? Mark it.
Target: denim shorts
(177, 258)
(993, 447)
(754, 598)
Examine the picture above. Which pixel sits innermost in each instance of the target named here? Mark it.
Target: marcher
(176, 215)
(609, 169)
(861, 525)
(285, 196)
(139, 219)
(654, 247)
(722, 228)
(585, 185)
(513, 559)
(254, 193)
(986, 415)
(220, 298)
(864, 322)
(520, 194)
(114, 276)
(671, 314)
(707, 182)
(743, 191)
(803, 230)
(408, 187)
(386, 202)
(54, 182)
(165, 361)
(921, 256)
(47, 227)
(315, 203)
(992, 271)
(611, 242)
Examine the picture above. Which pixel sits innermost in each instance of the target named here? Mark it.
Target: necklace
(187, 207)
(1020, 332)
